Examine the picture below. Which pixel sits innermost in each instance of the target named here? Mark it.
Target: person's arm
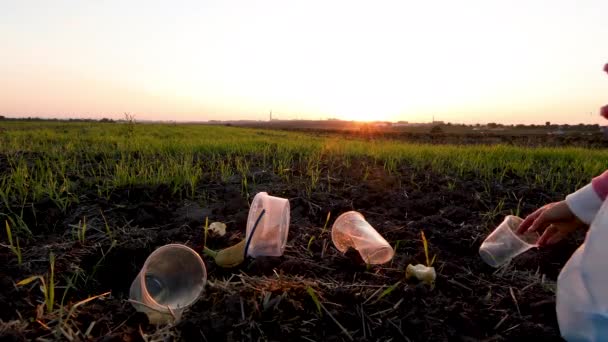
(586, 202)
(557, 220)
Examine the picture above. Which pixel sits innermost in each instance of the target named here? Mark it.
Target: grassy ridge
(56, 160)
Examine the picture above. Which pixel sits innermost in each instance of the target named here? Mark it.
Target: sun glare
(363, 112)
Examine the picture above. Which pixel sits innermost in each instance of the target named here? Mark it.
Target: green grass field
(50, 159)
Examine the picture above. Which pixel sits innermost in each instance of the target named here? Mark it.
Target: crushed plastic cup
(352, 230)
(504, 244)
(172, 279)
(270, 235)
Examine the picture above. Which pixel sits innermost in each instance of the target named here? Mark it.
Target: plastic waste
(218, 228)
(582, 299)
(421, 272)
(352, 230)
(228, 257)
(271, 214)
(504, 244)
(171, 279)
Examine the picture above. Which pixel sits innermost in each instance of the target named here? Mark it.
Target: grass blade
(388, 291)
(425, 245)
(51, 284)
(28, 280)
(9, 233)
(326, 222)
(315, 299)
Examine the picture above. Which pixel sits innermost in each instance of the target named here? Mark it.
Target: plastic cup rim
(341, 218)
(147, 298)
(530, 245)
(495, 264)
(285, 210)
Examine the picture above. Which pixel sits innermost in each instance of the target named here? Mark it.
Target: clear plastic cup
(352, 230)
(172, 278)
(504, 244)
(270, 235)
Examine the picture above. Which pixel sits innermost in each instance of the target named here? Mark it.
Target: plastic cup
(504, 244)
(352, 230)
(270, 235)
(172, 278)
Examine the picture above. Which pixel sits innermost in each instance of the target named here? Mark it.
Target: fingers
(523, 227)
(548, 236)
(543, 220)
(557, 237)
(604, 111)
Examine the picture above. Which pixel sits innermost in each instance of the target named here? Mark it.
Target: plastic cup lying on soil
(504, 244)
(270, 235)
(352, 230)
(172, 278)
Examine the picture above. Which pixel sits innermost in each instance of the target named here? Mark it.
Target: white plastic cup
(270, 235)
(172, 279)
(352, 230)
(504, 244)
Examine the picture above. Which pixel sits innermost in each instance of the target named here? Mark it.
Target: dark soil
(267, 298)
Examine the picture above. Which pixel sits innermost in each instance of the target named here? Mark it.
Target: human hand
(604, 111)
(554, 220)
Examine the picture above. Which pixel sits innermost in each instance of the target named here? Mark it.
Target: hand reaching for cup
(555, 221)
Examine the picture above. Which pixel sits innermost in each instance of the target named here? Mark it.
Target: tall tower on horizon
(270, 115)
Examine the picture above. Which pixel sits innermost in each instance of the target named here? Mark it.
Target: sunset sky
(518, 61)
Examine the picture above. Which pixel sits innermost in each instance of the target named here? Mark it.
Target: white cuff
(584, 203)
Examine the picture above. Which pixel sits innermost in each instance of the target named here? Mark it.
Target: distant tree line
(546, 125)
(489, 125)
(30, 118)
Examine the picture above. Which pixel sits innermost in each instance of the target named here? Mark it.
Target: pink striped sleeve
(600, 185)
